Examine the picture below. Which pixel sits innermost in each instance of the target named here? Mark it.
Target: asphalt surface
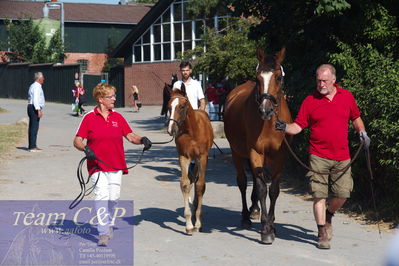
(159, 233)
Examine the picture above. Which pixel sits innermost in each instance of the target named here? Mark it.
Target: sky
(114, 2)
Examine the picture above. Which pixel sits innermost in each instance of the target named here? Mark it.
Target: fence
(59, 81)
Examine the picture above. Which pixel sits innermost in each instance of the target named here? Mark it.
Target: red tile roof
(74, 12)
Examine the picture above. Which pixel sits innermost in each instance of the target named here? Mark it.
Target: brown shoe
(323, 242)
(103, 241)
(328, 225)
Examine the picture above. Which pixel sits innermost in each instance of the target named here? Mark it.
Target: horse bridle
(259, 97)
(178, 123)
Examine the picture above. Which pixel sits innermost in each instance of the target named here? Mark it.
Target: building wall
(94, 38)
(95, 61)
(150, 79)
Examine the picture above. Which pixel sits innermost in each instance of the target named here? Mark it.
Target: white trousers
(107, 193)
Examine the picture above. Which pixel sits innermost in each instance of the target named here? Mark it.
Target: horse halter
(266, 96)
(260, 97)
(178, 123)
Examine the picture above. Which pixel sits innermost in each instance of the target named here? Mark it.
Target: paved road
(159, 237)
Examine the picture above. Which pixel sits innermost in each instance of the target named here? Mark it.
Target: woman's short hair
(102, 89)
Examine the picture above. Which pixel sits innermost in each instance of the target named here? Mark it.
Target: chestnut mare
(193, 134)
(249, 120)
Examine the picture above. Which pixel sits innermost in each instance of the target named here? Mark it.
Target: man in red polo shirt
(327, 113)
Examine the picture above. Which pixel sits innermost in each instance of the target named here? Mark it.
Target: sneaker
(35, 150)
(103, 241)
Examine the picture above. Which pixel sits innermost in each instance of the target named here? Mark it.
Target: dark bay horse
(166, 95)
(249, 120)
(194, 137)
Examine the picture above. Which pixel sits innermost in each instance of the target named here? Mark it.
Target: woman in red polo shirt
(104, 129)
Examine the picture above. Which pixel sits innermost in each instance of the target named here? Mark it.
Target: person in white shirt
(194, 95)
(193, 87)
(35, 107)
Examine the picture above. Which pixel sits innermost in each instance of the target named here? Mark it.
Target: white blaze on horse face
(173, 105)
(266, 79)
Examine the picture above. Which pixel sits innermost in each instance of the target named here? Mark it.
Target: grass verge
(10, 135)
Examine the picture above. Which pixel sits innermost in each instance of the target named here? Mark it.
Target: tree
(229, 53)
(361, 38)
(27, 43)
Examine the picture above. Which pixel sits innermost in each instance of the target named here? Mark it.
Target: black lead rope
(367, 153)
(82, 182)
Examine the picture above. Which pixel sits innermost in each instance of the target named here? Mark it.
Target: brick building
(150, 51)
(149, 38)
(88, 27)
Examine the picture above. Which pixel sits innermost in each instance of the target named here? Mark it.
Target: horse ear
(183, 89)
(260, 54)
(280, 55)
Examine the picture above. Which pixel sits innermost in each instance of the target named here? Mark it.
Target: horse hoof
(255, 215)
(267, 239)
(190, 232)
(246, 224)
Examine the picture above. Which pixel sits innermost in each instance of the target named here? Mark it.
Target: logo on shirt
(114, 124)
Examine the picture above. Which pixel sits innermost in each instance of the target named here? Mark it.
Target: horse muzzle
(266, 112)
(172, 128)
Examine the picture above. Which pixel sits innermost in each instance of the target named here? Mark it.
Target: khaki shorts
(340, 185)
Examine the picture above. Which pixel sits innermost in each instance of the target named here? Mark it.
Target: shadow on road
(220, 220)
(153, 123)
(295, 233)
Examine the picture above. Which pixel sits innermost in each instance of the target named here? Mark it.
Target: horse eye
(279, 78)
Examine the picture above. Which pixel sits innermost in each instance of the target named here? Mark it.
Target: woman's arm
(133, 138)
(78, 143)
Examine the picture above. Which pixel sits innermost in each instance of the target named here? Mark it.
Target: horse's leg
(257, 161)
(254, 209)
(275, 189)
(185, 186)
(242, 185)
(199, 192)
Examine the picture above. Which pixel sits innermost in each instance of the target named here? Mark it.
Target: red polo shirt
(105, 138)
(328, 122)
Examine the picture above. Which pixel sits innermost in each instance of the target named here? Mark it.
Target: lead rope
(367, 153)
(368, 161)
(343, 170)
(82, 183)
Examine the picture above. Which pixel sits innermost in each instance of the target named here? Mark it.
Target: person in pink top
(327, 112)
(80, 98)
(104, 129)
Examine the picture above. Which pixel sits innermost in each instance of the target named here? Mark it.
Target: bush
(371, 73)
